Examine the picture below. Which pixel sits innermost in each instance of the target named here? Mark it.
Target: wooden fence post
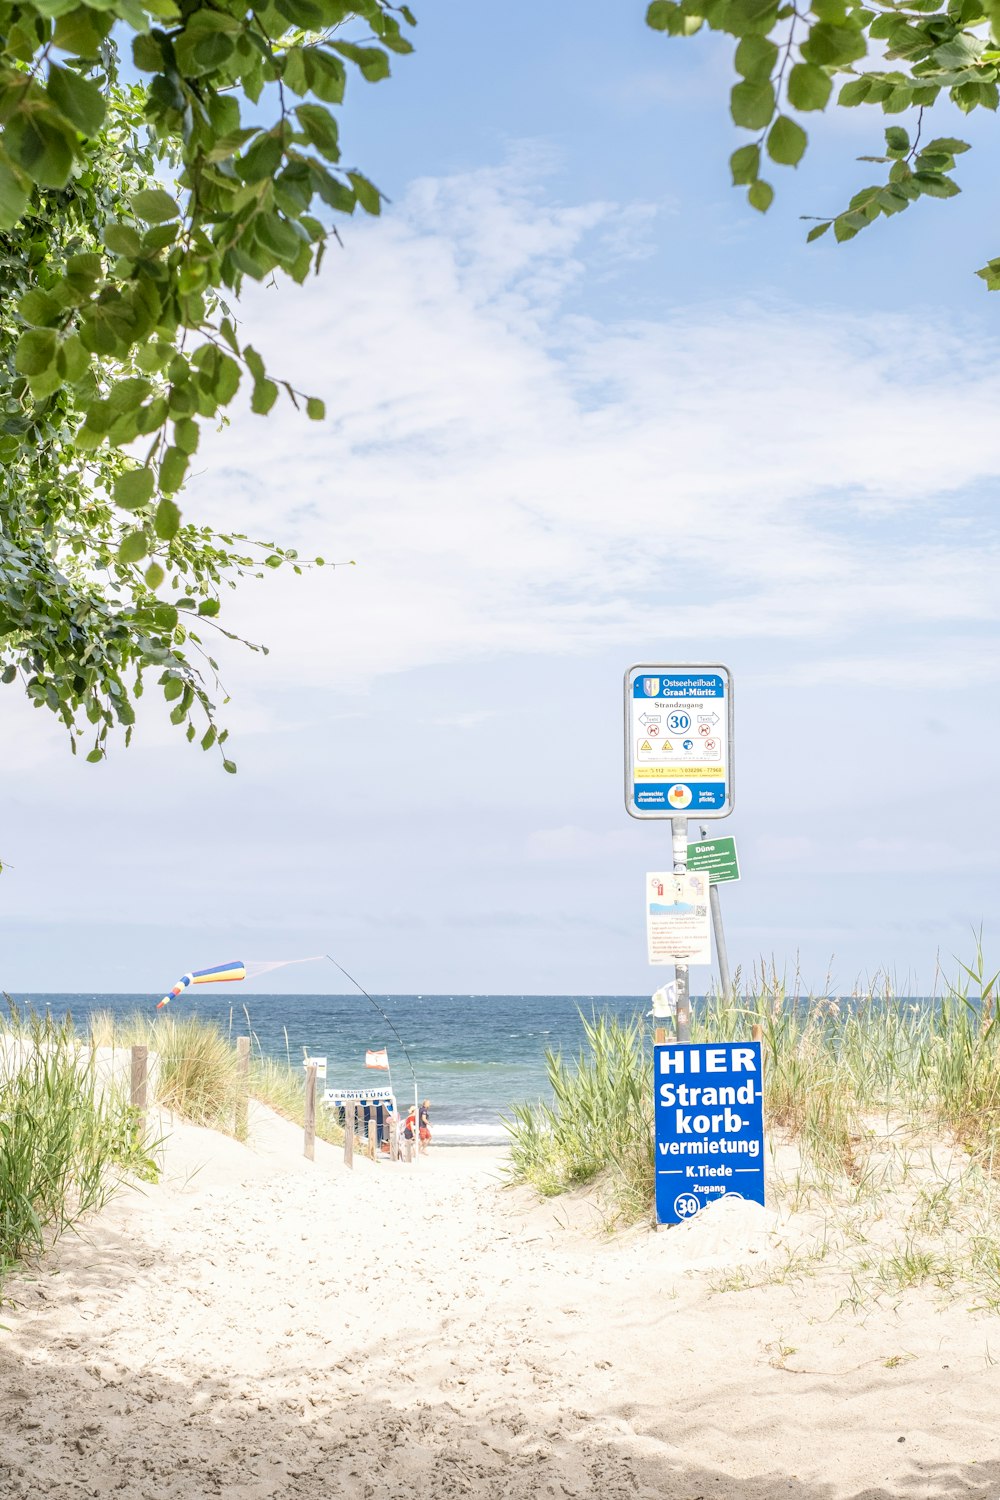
(140, 1076)
(393, 1138)
(309, 1149)
(349, 1133)
(242, 1085)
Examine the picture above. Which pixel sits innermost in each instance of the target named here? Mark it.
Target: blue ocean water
(473, 1056)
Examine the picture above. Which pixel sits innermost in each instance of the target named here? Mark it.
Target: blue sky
(586, 409)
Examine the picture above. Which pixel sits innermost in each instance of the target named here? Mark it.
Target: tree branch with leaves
(130, 218)
(901, 59)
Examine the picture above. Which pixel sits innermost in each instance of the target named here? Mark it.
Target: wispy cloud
(513, 476)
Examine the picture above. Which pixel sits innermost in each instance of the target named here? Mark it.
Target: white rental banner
(678, 918)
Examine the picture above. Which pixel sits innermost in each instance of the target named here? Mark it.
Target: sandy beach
(262, 1326)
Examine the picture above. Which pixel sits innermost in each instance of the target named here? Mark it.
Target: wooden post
(140, 1075)
(310, 1141)
(660, 1035)
(393, 1138)
(372, 1134)
(349, 1133)
(242, 1085)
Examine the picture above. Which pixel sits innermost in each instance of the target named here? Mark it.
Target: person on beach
(410, 1125)
(425, 1124)
(385, 1144)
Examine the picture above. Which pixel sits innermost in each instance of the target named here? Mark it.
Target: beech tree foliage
(130, 215)
(793, 60)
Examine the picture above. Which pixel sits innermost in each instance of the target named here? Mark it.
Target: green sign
(717, 857)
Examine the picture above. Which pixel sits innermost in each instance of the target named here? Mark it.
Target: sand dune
(260, 1326)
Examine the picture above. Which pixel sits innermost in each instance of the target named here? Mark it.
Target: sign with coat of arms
(678, 742)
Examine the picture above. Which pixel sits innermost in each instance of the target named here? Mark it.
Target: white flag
(379, 1059)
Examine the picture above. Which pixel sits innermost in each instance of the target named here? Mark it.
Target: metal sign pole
(679, 830)
(720, 942)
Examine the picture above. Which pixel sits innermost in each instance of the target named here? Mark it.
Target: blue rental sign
(678, 742)
(709, 1125)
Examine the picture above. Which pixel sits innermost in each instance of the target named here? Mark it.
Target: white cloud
(512, 476)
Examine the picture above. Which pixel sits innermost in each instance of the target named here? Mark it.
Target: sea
(472, 1056)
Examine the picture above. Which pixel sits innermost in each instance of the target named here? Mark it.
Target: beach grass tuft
(599, 1124)
(68, 1135)
(833, 1069)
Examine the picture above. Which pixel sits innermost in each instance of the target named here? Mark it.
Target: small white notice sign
(319, 1063)
(678, 918)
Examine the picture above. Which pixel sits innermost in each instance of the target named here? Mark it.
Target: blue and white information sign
(708, 1099)
(678, 742)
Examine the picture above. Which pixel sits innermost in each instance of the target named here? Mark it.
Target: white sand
(257, 1326)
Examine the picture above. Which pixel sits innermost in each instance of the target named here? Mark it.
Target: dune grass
(68, 1135)
(197, 1073)
(829, 1065)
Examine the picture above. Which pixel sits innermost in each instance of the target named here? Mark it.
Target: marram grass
(829, 1065)
(68, 1135)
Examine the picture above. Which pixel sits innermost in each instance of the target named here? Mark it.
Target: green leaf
(746, 17)
(760, 196)
(660, 14)
(134, 488)
(947, 145)
(745, 165)
(172, 470)
(786, 142)
(41, 144)
(133, 547)
(15, 189)
(123, 239)
(154, 206)
(756, 57)
(366, 192)
(817, 230)
(809, 87)
(320, 129)
(990, 273)
(81, 32)
(372, 61)
(186, 434)
(315, 409)
(897, 140)
(752, 105)
(36, 351)
(208, 608)
(936, 184)
(78, 99)
(154, 576)
(172, 688)
(166, 522)
(855, 92)
(263, 158)
(834, 46)
(40, 308)
(230, 766)
(327, 76)
(72, 360)
(265, 393)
